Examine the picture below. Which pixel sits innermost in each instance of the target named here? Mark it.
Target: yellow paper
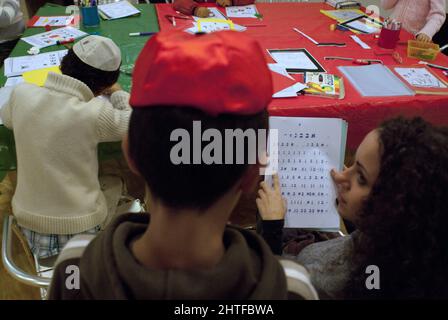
(38, 77)
(330, 13)
(228, 22)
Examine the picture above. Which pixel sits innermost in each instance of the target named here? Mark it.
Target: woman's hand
(270, 203)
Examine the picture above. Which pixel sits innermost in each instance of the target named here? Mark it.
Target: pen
(139, 34)
(320, 44)
(436, 66)
(306, 36)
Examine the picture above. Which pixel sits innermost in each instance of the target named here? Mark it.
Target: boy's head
(183, 85)
(95, 61)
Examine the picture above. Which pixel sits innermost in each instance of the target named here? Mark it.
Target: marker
(140, 34)
(66, 41)
(435, 66)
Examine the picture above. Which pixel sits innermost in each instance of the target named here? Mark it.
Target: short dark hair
(97, 80)
(402, 225)
(185, 185)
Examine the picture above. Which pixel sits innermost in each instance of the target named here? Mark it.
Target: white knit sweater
(57, 129)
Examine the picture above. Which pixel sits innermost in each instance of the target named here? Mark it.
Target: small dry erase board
(296, 60)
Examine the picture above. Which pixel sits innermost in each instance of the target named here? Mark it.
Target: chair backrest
(8, 262)
(298, 281)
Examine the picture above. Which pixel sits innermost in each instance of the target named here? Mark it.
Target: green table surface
(118, 30)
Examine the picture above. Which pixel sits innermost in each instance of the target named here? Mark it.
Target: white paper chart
(308, 148)
(16, 66)
(49, 38)
(249, 11)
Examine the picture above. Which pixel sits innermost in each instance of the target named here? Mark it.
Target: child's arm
(113, 120)
(435, 19)
(185, 6)
(9, 9)
(242, 2)
(388, 4)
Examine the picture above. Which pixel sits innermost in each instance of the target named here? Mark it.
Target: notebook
(117, 10)
(303, 155)
(375, 80)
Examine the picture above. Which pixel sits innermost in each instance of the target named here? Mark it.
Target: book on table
(303, 151)
(324, 85)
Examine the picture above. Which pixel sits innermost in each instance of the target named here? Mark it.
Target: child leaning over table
(191, 7)
(423, 18)
(57, 129)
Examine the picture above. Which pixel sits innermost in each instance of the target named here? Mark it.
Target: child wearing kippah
(57, 129)
(191, 7)
(423, 18)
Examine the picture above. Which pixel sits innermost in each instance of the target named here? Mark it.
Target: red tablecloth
(362, 114)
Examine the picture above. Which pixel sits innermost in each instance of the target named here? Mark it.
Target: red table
(362, 114)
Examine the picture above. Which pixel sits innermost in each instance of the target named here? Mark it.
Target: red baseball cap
(220, 72)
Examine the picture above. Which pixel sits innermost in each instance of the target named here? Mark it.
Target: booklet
(324, 85)
(422, 80)
(375, 80)
(117, 10)
(303, 155)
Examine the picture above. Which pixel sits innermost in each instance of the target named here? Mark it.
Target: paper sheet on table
(290, 92)
(118, 10)
(213, 25)
(420, 77)
(375, 80)
(284, 85)
(249, 11)
(343, 15)
(364, 25)
(5, 93)
(214, 14)
(15, 66)
(53, 21)
(46, 39)
(38, 77)
(13, 81)
(293, 60)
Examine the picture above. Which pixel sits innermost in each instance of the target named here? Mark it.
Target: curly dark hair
(404, 222)
(97, 80)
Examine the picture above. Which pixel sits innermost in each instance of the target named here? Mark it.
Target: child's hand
(201, 12)
(224, 3)
(270, 203)
(424, 38)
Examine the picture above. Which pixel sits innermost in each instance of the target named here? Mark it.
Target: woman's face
(354, 183)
